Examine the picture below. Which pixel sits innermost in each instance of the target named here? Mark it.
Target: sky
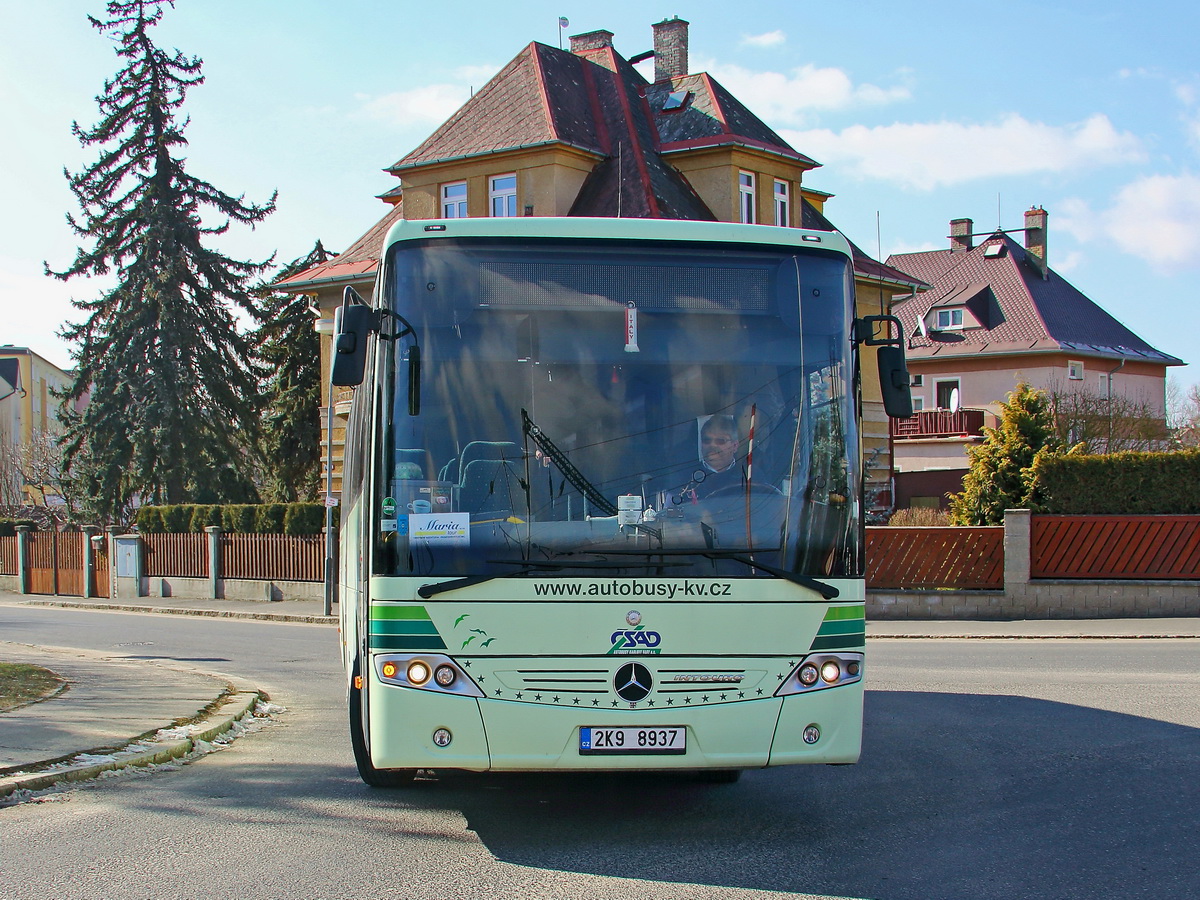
(919, 112)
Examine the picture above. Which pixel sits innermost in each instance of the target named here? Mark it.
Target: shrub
(268, 518)
(177, 519)
(1122, 483)
(238, 518)
(204, 516)
(304, 518)
(149, 520)
(924, 516)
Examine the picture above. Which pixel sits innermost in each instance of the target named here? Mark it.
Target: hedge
(1127, 483)
(266, 518)
(8, 527)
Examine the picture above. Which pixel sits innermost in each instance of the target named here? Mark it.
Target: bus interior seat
(488, 486)
(486, 450)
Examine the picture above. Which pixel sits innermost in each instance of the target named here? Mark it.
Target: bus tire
(377, 778)
(719, 776)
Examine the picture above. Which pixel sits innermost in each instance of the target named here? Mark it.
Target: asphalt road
(1032, 769)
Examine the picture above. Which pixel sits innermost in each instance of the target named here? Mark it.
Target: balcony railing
(932, 423)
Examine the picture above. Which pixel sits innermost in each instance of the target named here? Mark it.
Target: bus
(602, 503)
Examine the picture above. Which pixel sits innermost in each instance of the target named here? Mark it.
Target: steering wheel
(756, 487)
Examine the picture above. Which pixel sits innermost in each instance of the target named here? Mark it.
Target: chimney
(1035, 232)
(593, 40)
(670, 49)
(960, 235)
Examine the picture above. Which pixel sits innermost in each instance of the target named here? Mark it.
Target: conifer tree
(291, 426)
(1002, 474)
(170, 376)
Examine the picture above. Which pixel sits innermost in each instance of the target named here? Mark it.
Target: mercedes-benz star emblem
(633, 682)
(633, 617)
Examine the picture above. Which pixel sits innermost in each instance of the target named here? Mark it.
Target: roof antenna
(999, 222)
(563, 24)
(879, 258)
(620, 181)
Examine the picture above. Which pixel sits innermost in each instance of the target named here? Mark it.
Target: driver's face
(718, 448)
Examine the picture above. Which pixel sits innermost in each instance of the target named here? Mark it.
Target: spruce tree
(169, 376)
(1002, 474)
(291, 425)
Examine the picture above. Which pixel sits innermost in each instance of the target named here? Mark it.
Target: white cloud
(931, 155)
(769, 39)
(1156, 217)
(787, 97)
(428, 105)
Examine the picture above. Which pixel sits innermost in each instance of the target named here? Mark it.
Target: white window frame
(918, 403)
(783, 206)
(502, 201)
(746, 197)
(1074, 370)
(937, 384)
(949, 313)
(454, 207)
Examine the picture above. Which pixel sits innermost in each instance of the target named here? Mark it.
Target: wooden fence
(8, 555)
(935, 557)
(176, 555)
(273, 557)
(1115, 547)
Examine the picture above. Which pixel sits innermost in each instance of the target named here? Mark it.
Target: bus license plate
(668, 739)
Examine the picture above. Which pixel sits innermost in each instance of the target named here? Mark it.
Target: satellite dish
(954, 400)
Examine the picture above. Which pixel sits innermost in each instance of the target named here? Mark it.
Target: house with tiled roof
(581, 132)
(997, 314)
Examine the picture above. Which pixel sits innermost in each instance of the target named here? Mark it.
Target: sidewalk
(302, 611)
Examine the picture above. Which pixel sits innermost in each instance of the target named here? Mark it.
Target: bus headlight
(425, 671)
(822, 671)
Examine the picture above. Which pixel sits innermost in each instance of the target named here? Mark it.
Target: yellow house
(28, 415)
(583, 133)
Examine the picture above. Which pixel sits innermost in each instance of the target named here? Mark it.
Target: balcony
(939, 423)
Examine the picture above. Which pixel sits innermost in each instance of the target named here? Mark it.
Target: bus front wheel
(379, 778)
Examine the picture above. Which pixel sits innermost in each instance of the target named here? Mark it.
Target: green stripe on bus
(406, 642)
(378, 611)
(403, 627)
(828, 628)
(845, 612)
(839, 642)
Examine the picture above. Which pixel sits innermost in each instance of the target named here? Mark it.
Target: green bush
(1122, 483)
(268, 518)
(304, 518)
(203, 516)
(177, 519)
(238, 518)
(149, 520)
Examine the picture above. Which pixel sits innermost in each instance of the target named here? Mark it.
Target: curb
(298, 618)
(233, 708)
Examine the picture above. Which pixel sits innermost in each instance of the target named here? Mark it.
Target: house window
(746, 196)
(918, 403)
(918, 379)
(949, 318)
(503, 194)
(1075, 370)
(454, 200)
(781, 204)
(948, 394)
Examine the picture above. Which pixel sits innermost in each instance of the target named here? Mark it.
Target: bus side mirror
(353, 322)
(893, 382)
(893, 371)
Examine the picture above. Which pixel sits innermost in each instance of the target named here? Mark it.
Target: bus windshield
(587, 406)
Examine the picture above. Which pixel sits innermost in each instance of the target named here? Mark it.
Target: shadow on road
(956, 796)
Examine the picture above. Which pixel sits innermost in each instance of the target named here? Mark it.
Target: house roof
(359, 262)
(864, 265)
(1023, 307)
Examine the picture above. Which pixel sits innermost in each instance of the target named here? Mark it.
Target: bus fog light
(853, 668)
(812, 734)
(808, 675)
(442, 737)
(830, 671)
(418, 672)
(445, 676)
(389, 670)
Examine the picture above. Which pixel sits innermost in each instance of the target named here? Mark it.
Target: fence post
(215, 591)
(89, 559)
(112, 531)
(23, 558)
(1018, 549)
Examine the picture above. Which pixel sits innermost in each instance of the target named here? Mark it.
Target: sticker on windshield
(440, 528)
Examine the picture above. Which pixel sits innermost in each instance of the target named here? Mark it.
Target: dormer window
(676, 100)
(949, 318)
(994, 250)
